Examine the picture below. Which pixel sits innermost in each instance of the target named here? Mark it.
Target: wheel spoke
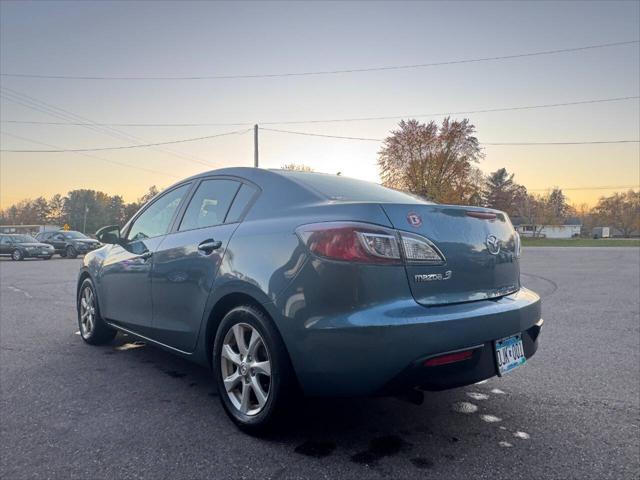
(229, 354)
(83, 302)
(260, 394)
(254, 342)
(262, 368)
(232, 380)
(246, 396)
(238, 333)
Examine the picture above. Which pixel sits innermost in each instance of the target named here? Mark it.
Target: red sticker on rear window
(414, 219)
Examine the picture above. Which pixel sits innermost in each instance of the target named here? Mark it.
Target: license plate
(509, 354)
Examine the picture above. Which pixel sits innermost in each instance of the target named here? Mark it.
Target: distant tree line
(101, 209)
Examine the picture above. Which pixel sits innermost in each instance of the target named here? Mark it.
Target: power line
(609, 187)
(115, 162)
(595, 142)
(322, 72)
(57, 112)
(308, 134)
(124, 147)
(241, 132)
(334, 120)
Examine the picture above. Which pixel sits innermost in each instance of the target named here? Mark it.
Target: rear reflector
(449, 358)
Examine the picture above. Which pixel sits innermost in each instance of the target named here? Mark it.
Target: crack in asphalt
(554, 285)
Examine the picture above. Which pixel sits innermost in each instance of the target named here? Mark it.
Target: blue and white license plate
(509, 354)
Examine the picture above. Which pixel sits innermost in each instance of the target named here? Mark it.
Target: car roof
(307, 185)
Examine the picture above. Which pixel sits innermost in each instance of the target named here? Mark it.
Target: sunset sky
(167, 39)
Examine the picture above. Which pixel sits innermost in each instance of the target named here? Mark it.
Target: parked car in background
(19, 247)
(70, 243)
(284, 281)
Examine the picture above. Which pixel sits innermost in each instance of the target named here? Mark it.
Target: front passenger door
(5, 245)
(125, 279)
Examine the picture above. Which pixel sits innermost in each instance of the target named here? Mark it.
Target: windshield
(24, 239)
(75, 235)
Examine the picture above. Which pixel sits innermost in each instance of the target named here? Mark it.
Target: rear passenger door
(187, 261)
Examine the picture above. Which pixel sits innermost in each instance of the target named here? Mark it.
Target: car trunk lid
(479, 246)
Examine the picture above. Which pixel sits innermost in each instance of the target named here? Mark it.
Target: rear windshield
(75, 235)
(336, 187)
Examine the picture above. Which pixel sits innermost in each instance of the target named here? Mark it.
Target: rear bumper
(382, 349)
(480, 366)
(45, 254)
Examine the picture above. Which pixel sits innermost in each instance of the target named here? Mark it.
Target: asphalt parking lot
(127, 410)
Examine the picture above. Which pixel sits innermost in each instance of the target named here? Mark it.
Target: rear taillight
(418, 249)
(352, 242)
(361, 242)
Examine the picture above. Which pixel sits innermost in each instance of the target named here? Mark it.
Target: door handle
(209, 246)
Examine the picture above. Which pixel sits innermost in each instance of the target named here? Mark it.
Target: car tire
(93, 329)
(247, 364)
(71, 252)
(17, 255)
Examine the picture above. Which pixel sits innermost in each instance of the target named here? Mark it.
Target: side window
(241, 201)
(156, 219)
(59, 236)
(5, 240)
(209, 204)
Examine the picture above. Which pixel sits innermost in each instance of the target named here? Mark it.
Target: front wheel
(252, 369)
(93, 328)
(17, 255)
(71, 252)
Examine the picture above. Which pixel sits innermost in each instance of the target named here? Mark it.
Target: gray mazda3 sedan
(289, 282)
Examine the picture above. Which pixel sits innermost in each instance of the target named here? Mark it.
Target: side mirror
(110, 235)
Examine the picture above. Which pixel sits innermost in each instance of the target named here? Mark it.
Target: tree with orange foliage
(434, 162)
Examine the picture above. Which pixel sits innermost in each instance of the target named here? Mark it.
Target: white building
(549, 231)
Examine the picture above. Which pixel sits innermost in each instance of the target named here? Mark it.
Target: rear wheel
(93, 329)
(17, 255)
(71, 252)
(252, 369)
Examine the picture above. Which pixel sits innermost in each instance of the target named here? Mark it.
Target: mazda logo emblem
(493, 245)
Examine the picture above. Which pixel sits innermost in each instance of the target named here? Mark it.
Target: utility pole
(255, 146)
(84, 224)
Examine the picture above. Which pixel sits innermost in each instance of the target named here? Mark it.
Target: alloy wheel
(87, 312)
(246, 369)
